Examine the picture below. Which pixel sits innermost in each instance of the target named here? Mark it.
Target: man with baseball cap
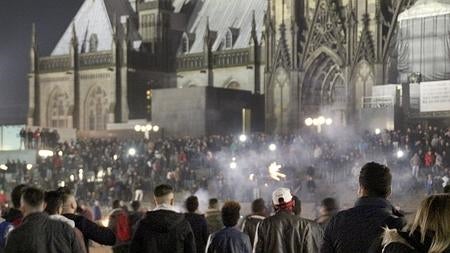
(285, 232)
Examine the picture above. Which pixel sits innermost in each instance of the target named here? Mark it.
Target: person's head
(54, 202)
(297, 205)
(433, 215)
(32, 201)
(259, 207)
(328, 205)
(282, 200)
(230, 213)
(69, 202)
(164, 195)
(374, 180)
(116, 204)
(213, 203)
(191, 204)
(447, 189)
(16, 194)
(135, 205)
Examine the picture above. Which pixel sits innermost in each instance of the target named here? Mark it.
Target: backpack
(123, 229)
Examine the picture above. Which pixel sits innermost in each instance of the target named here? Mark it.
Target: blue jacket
(229, 240)
(358, 228)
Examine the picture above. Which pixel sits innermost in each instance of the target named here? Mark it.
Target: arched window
(228, 40)
(96, 109)
(57, 109)
(185, 44)
(93, 43)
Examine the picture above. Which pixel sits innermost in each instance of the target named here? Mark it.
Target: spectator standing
(213, 216)
(38, 233)
(285, 232)
(429, 232)
(356, 229)
(328, 208)
(198, 223)
(119, 223)
(415, 165)
(429, 184)
(163, 230)
(136, 215)
(259, 213)
(229, 239)
(14, 215)
(90, 230)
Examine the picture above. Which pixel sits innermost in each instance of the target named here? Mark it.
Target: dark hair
(297, 205)
(16, 194)
(33, 196)
(213, 202)
(116, 204)
(191, 204)
(135, 205)
(64, 193)
(447, 189)
(230, 213)
(376, 179)
(53, 202)
(258, 206)
(162, 190)
(329, 204)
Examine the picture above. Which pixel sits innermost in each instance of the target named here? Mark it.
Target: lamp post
(318, 122)
(146, 129)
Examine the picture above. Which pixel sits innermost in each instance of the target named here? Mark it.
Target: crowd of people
(37, 138)
(54, 221)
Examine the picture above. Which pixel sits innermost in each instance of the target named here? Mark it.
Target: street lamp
(146, 129)
(318, 122)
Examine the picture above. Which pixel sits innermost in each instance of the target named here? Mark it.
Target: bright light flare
(309, 121)
(137, 128)
(377, 131)
(274, 171)
(29, 166)
(243, 138)
(251, 177)
(132, 152)
(321, 120)
(3, 167)
(115, 157)
(155, 129)
(233, 165)
(148, 127)
(329, 121)
(272, 147)
(400, 154)
(45, 153)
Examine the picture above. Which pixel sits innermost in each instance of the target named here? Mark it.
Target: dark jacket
(14, 216)
(285, 232)
(40, 234)
(200, 229)
(402, 242)
(229, 240)
(163, 231)
(249, 226)
(92, 231)
(356, 229)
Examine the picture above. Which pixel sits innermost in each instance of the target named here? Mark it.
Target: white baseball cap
(281, 193)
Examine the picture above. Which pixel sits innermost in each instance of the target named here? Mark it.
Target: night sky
(16, 16)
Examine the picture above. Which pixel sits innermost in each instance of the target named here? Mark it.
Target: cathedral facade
(307, 57)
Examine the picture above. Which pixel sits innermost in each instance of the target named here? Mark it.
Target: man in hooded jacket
(163, 230)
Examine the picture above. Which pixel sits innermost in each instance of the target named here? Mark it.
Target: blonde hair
(434, 215)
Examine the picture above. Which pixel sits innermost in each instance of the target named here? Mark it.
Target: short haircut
(297, 205)
(191, 204)
(32, 196)
(135, 205)
(230, 213)
(376, 179)
(329, 204)
(53, 202)
(213, 203)
(65, 193)
(16, 194)
(116, 204)
(162, 190)
(258, 206)
(447, 189)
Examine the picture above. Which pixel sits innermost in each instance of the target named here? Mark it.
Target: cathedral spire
(33, 36)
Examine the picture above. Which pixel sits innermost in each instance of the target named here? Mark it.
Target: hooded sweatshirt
(163, 231)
